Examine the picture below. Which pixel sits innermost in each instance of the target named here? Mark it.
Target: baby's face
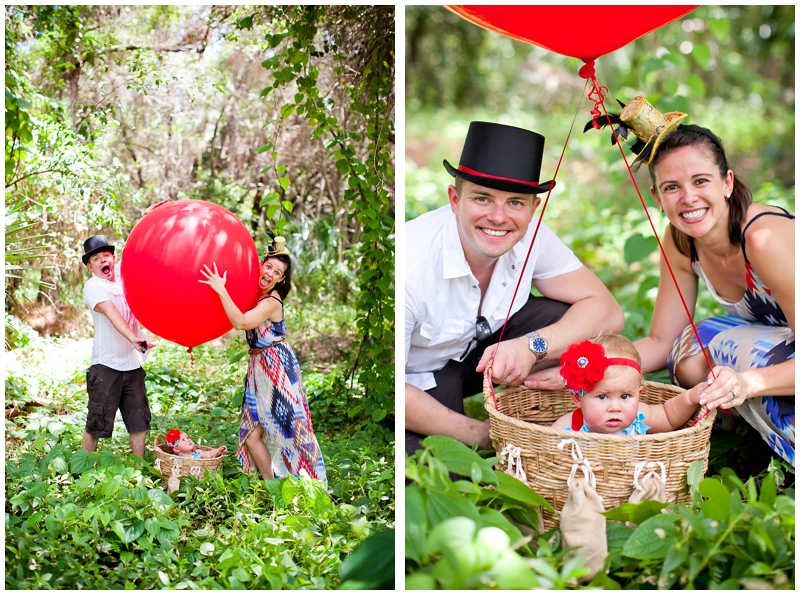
(613, 404)
(185, 444)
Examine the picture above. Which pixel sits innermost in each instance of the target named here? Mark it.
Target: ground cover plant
(104, 520)
(477, 532)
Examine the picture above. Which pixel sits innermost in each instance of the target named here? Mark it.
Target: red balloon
(161, 266)
(584, 32)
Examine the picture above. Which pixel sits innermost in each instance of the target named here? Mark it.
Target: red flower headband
(173, 437)
(584, 364)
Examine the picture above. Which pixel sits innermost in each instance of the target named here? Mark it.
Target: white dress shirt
(442, 296)
(109, 347)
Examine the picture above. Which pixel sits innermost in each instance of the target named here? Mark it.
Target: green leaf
(720, 28)
(284, 183)
(638, 248)
(652, 538)
(264, 149)
(458, 458)
(694, 474)
(702, 54)
(769, 489)
(416, 523)
(697, 85)
(81, 461)
(495, 518)
(371, 564)
(441, 507)
(674, 557)
(245, 22)
(287, 110)
(716, 505)
(635, 513)
(521, 492)
(616, 535)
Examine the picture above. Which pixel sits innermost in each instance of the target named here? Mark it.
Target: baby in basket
(183, 446)
(604, 377)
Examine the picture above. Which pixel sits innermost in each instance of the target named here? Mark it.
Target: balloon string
(191, 361)
(533, 240)
(172, 398)
(595, 93)
(618, 141)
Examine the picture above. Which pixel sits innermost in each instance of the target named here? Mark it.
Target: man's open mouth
(105, 270)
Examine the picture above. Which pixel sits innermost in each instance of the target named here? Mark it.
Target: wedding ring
(733, 392)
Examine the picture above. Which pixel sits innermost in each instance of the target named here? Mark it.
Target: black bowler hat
(502, 157)
(94, 245)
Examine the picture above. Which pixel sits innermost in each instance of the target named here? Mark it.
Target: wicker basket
(523, 418)
(167, 463)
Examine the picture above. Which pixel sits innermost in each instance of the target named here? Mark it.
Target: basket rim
(700, 427)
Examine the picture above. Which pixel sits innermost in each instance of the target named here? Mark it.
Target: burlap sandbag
(651, 486)
(583, 526)
(652, 489)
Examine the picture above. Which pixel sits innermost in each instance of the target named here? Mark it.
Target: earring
(727, 196)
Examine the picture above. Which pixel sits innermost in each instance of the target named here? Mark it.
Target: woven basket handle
(488, 388)
(155, 442)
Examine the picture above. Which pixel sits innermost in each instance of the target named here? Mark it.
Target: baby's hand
(222, 450)
(695, 393)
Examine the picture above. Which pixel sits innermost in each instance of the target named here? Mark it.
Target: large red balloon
(161, 265)
(584, 32)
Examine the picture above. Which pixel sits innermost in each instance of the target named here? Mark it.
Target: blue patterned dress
(754, 334)
(274, 396)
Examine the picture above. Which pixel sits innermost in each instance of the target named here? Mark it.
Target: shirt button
(474, 287)
(513, 266)
(504, 283)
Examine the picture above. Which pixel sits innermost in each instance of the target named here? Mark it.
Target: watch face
(539, 345)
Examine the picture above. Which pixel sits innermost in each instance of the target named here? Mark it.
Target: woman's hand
(213, 279)
(729, 389)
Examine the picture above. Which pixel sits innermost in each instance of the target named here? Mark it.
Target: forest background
(284, 116)
(732, 69)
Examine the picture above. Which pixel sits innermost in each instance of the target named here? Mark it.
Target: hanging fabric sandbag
(652, 486)
(582, 524)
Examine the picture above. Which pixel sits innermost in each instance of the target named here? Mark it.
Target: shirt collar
(454, 263)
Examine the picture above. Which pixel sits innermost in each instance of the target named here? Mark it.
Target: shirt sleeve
(410, 323)
(555, 258)
(94, 293)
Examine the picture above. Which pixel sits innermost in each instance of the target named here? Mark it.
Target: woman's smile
(694, 215)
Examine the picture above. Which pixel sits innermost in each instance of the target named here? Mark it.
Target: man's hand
(549, 379)
(512, 361)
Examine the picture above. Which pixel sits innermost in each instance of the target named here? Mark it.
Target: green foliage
(371, 565)
(103, 520)
(475, 532)
(363, 158)
(734, 535)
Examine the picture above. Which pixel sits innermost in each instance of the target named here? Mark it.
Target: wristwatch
(537, 345)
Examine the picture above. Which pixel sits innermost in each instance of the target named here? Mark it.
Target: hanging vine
(360, 139)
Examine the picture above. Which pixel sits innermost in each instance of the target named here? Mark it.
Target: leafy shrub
(476, 531)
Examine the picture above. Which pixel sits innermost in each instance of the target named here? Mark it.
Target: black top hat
(94, 245)
(502, 157)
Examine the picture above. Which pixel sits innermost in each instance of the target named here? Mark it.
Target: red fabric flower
(582, 366)
(173, 436)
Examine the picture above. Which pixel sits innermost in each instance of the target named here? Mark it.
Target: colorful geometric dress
(274, 396)
(754, 334)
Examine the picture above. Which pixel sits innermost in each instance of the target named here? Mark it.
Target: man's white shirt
(109, 347)
(442, 295)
